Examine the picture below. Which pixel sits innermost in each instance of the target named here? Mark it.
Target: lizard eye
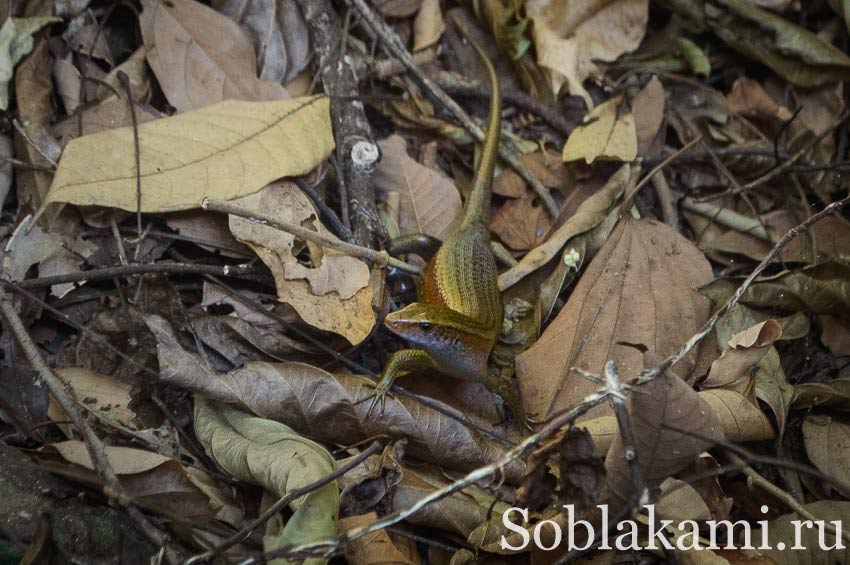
(425, 326)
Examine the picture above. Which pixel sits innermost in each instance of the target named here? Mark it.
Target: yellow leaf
(224, 151)
(608, 133)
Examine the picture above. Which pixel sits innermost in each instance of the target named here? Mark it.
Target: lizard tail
(478, 206)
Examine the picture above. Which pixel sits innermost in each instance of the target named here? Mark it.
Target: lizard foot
(379, 396)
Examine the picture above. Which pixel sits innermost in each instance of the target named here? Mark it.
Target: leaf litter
(706, 130)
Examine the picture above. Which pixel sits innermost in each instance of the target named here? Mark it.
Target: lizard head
(424, 324)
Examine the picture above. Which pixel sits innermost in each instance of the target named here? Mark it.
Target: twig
(665, 198)
(125, 82)
(727, 217)
(341, 229)
(128, 270)
(283, 502)
(776, 171)
(733, 300)
(618, 399)
(396, 47)
(381, 258)
(627, 200)
(782, 495)
(328, 547)
(64, 395)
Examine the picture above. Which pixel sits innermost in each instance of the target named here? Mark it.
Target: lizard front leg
(404, 360)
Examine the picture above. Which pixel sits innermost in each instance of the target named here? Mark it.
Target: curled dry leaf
(276, 30)
(608, 133)
(662, 414)
(325, 407)
(428, 25)
(740, 418)
(150, 479)
(745, 350)
(332, 295)
(827, 441)
(639, 289)
(570, 35)
(201, 57)
(590, 214)
(275, 457)
(221, 152)
(429, 202)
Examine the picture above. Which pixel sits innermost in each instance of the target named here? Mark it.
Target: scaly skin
(458, 318)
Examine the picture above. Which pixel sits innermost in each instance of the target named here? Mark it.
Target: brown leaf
(429, 201)
(209, 229)
(334, 294)
(827, 441)
(654, 407)
(325, 407)
(740, 418)
(590, 213)
(398, 8)
(428, 25)
(521, 223)
(648, 110)
(745, 350)
(377, 548)
(748, 98)
(153, 480)
(103, 396)
(201, 57)
(790, 530)
(112, 113)
(545, 166)
(276, 30)
(639, 289)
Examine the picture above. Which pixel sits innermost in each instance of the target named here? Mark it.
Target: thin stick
(128, 270)
(381, 258)
(733, 300)
(125, 82)
(64, 395)
(328, 547)
(283, 502)
(396, 47)
(627, 201)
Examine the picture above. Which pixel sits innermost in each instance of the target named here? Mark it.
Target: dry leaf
(570, 35)
(648, 110)
(6, 170)
(153, 480)
(654, 408)
(278, 33)
(325, 407)
(209, 231)
(590, 214)
(745, 350)
(428, 25)
(103, 396)
(15, 42)
(608, 133)
(790, 530)
(429, 201)
(740, 419)
(398, 8)
(201, 57)
(335, 294)
(137, 73)
(639, 289)
(222, 152)
(377, 548)
(521, 223)
(112, 113)
(827, 441)
(680, 501)
(272, 455)
(545, 166)
(67, 79)
(748, 98)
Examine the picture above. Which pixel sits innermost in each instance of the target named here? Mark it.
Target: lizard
(454, 325)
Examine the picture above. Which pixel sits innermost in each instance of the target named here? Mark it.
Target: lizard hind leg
(506, 388)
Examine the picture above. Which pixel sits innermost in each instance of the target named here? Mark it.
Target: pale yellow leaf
(222, 152)
(102, 395)
(428, 25)
(608, 133)
(569, 35)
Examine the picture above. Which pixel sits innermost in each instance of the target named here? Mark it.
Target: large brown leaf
(201, 57)
(661, 451)
(324, 406)
(639, 289)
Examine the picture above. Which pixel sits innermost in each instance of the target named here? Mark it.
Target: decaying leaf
(589, 214)
(639, 289)
(608, 133)
(105, 397)
(272, 455)
(802, 544)
(378, 547)
(333, 295)
(15, 42)
(221, 152)
(201, 57)
(570, 35)
(429, 202)
(665, 402)
(744, 350)
(151, 479)
(326, 407)
(827, 442)
(277, 32)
